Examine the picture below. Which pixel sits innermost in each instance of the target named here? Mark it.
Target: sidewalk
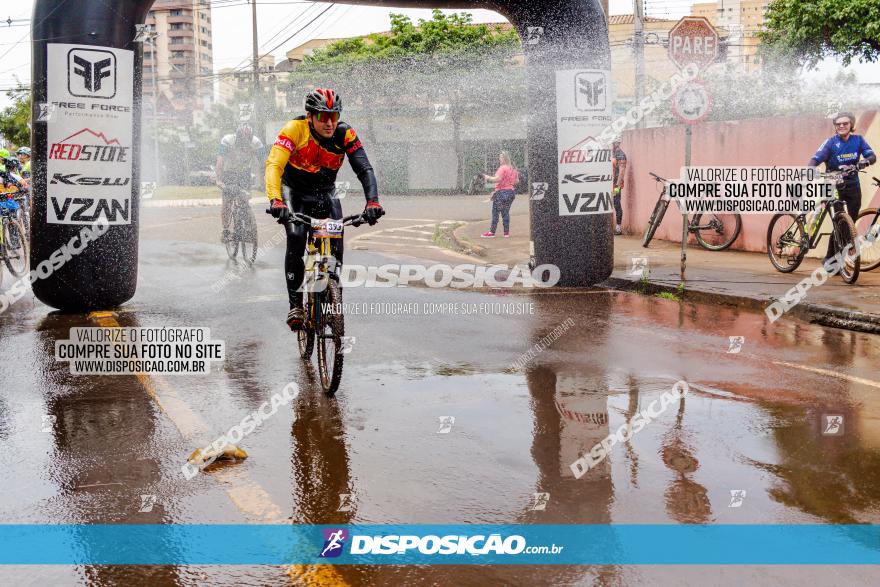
(727, 277)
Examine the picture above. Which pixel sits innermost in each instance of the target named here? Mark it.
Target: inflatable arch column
(86, 73)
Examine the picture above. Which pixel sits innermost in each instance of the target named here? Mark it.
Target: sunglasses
(326, 116)
(844, 123)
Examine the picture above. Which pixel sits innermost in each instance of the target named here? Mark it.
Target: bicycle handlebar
(306, 220)
(655, 176)
(844, 171)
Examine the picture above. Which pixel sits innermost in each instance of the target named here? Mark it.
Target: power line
(300, 30)
(288, 25)
(51, 12)
(248, 62)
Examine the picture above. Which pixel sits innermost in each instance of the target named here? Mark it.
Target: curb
(459, 246)
(812, 313)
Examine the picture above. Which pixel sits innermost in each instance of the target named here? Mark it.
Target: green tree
(403, 73)
(809, 30)
(15, 118)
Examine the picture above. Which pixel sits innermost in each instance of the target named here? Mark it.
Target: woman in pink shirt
(502, 198)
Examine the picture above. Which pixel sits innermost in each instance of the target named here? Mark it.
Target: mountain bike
(866, 224)
(714, 232)
(18, 188)
(24, 209)
(243, 234)
(789, 238)
(13, 243)
(324, 319)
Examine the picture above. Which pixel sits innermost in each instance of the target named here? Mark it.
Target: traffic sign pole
(688, 133)
(693, 39)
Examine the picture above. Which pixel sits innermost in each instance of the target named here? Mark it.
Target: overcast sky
(232, 30)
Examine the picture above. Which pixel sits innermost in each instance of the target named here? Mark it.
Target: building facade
(232, 83)
(742, 20)
(178, 63)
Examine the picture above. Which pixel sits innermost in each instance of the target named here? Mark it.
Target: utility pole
(258, 106)
(639, 51)
(151, 39)
(256, 49)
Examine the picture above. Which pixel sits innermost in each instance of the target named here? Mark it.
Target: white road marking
(245, 494)
(828, 373)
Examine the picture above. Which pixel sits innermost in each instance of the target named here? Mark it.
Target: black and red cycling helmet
(323, 100)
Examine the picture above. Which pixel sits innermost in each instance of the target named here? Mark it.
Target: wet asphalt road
(752, 421)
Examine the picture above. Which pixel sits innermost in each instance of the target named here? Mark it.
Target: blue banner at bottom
(429, 544)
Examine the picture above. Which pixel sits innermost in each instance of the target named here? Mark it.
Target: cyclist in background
(8, 183)
(239, 152)
(24, 157)
(305, 160)
(845, 149)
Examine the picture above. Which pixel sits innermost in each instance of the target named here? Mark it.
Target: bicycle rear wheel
(15, 246)
(718, 230)
(845, 236)
(329, 332)
(787, 242)
(655, 220)
(868, 225)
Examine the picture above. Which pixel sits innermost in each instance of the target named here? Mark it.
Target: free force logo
(334, 541)
(91, 73)
(590, 89)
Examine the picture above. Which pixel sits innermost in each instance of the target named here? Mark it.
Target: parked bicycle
(867, 224)
(714, 232)
(790, 236)
(243, 234)
(324, 319)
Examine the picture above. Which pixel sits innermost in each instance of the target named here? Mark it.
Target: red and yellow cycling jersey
(308, 163)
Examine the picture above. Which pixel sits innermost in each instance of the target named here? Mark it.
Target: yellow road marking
(315, 575)
(829, 373)
(244, 492)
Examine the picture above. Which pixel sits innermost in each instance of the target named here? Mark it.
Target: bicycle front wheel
(655, 220)
(247, 234)
(329, 332)
(867, 225)
(845, 236)
(24, 215)
(232, 241)
(306, 335)
(15, 247)
(716, 232)
(787, 242)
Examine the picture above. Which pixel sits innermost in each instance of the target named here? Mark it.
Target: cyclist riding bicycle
(239, 152)
(845, 149)
(9, 184)
(305, 160)
(24, 157)
(5, 155)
